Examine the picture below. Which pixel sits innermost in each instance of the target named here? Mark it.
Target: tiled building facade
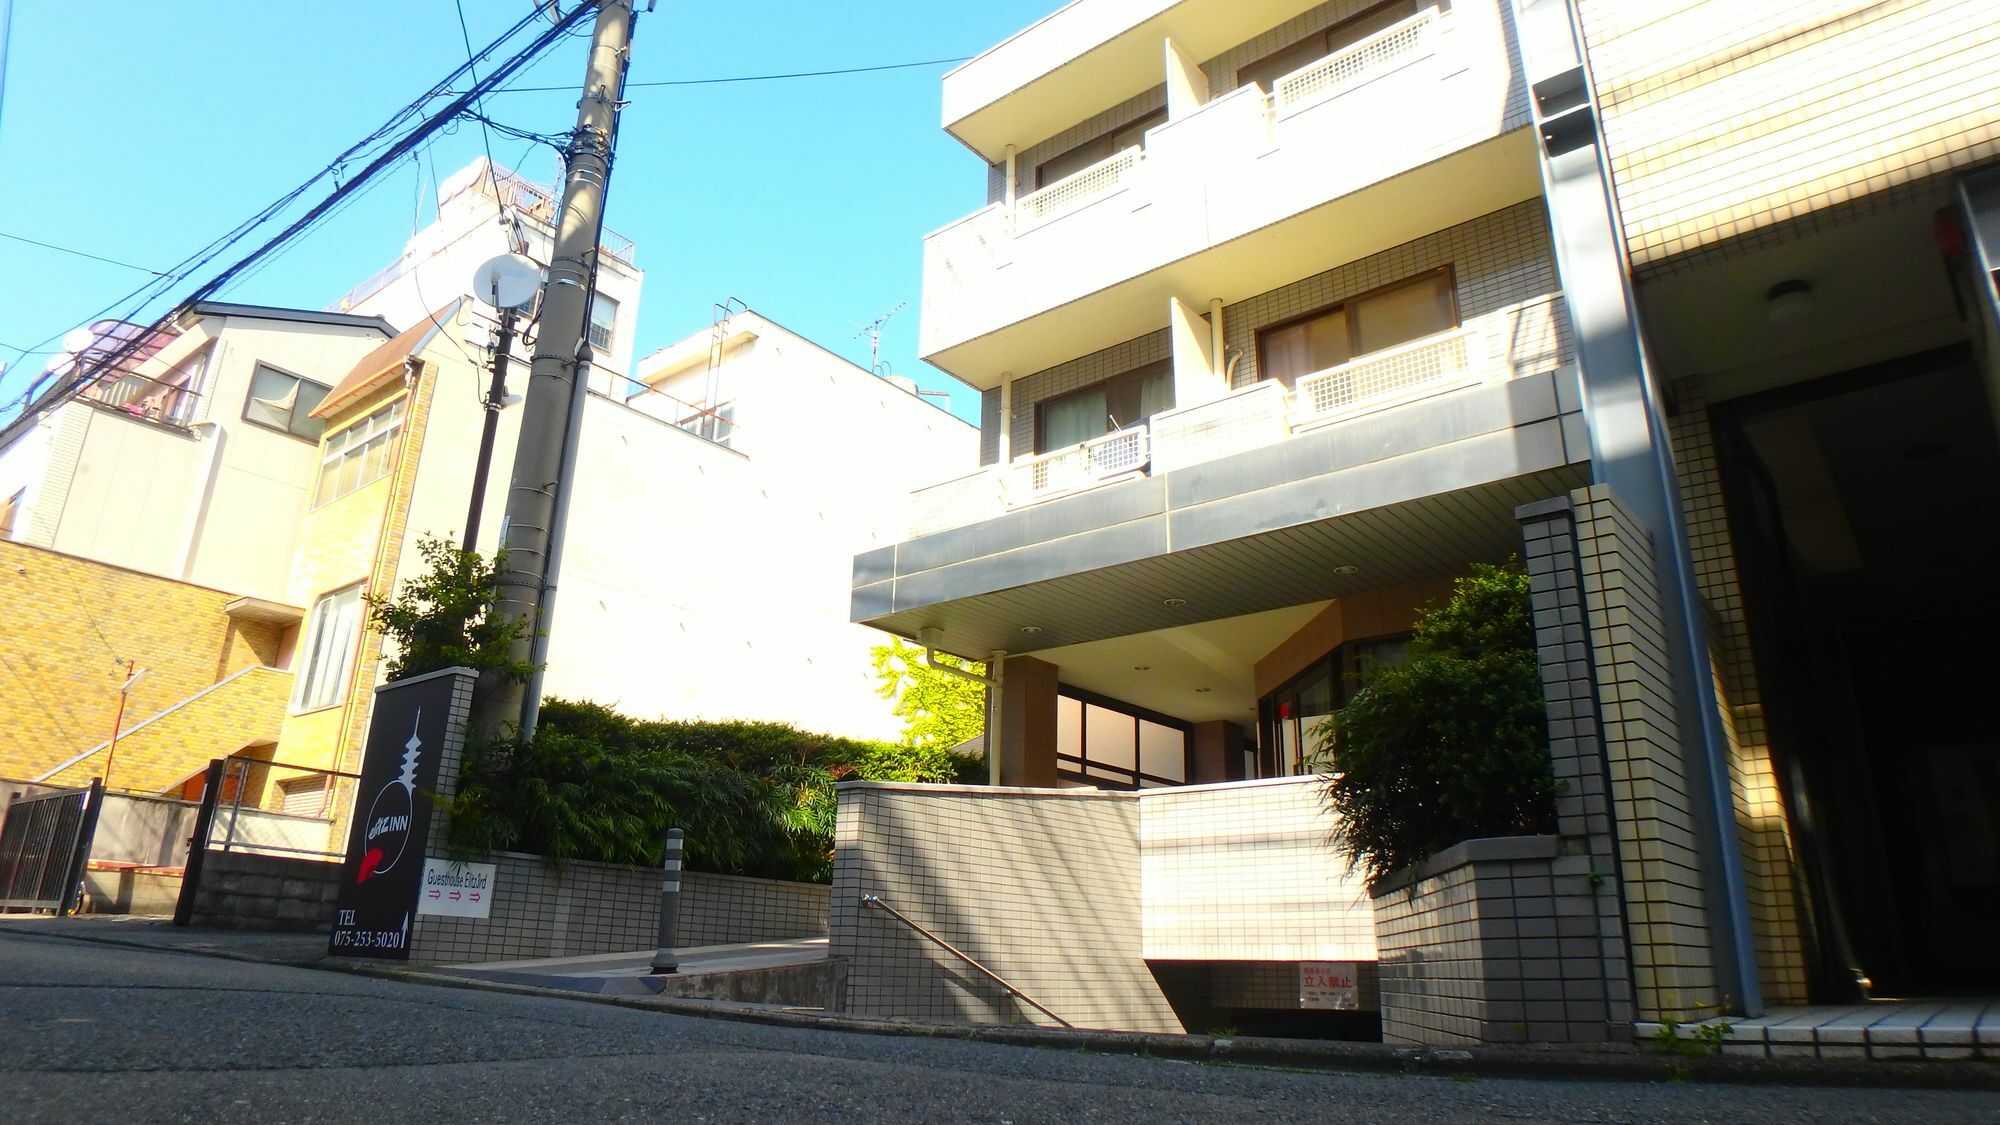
(1756, 260)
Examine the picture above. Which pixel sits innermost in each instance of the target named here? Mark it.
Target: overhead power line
(378, 149)
(131, 304)
(79, 253)
(753, 77)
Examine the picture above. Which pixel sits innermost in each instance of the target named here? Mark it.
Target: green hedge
(754, 798)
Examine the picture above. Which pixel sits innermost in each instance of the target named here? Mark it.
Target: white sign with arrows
(460, 890)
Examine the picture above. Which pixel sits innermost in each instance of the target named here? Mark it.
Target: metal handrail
(876, 902)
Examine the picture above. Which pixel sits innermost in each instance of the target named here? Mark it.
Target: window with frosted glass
(283, 401)
(1102, 744)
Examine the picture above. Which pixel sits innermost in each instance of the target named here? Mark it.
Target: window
(1116, 404)
(331, 633)
(304, 796)
(1379, 319)
(11, 511)
(718, 425)
(285, 402)
(1106, 744)
(1292, 714)
(361, 453)
(1096, 149)
(603, 316)
(1266, 71)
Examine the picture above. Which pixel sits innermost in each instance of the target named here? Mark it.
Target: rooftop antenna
(873, 331)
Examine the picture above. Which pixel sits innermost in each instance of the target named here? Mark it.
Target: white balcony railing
(1525, 338)
(1384, 378)
(1386, 50)
(1077, 188)
(1079, 466)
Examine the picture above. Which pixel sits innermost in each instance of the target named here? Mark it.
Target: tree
(939, 710)
(443, 618)
(1451, 744)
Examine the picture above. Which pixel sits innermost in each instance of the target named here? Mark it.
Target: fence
(265, 848)
(44, 842)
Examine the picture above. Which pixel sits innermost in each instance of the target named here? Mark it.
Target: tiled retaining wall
(1069, 893)
(584, 908)
(1500, 941)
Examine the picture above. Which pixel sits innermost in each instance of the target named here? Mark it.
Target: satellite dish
(78, 339)
(507, 281)
(61, 361)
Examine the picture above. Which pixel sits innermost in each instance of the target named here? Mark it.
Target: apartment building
(1285, 313)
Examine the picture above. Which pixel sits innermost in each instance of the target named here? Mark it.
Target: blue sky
(149, 129)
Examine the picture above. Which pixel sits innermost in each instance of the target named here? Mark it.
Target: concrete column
(1028, 722)
(1187, 83)
(1217, 752)
(1195, 363)
(1005, 444)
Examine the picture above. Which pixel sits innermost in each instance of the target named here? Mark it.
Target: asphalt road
(90, 1032)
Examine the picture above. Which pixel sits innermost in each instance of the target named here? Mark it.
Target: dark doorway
(1866, 513)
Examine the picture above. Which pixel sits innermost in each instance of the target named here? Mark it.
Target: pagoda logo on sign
(390, 817)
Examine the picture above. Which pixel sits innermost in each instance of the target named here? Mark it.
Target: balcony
(1522, 339)
(168, 402)
(1417, 128)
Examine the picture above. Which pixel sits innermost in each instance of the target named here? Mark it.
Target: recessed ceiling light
(1788, 301)
(1174, 603)
(1031, 630)
(1142, 667)
(1344, 571)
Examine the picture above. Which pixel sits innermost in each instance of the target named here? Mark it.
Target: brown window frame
(1446, 271)
(1145, 120)
(1324, 35)
(1138, 372)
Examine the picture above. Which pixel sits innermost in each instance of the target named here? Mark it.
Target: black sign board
(385, 847)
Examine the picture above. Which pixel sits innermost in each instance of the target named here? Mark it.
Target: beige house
(1285, 312)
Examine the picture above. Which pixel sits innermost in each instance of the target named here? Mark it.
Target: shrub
(443, 618)
(1450, 745)
(754, 798)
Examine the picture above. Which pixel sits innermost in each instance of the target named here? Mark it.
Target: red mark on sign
(369, 863)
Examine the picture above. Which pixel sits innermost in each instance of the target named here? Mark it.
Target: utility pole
(496, 396)
(532, 534)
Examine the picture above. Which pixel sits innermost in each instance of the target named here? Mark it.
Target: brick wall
(1727, 121)
(1087, 901)
(156, 754)
(68, 619)
(239, 891)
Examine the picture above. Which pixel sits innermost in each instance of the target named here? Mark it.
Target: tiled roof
(385, 362)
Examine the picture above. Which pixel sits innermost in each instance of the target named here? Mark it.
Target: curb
(1607, 1062)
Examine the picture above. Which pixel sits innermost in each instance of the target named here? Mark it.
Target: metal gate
(44, 843)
